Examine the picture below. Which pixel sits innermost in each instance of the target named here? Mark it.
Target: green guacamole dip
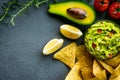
(102, 39)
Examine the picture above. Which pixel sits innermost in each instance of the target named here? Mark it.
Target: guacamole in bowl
(102, 39)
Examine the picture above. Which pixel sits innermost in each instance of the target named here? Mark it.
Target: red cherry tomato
(114, 10)
(101, 5)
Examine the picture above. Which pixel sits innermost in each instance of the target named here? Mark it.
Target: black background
(21, 46)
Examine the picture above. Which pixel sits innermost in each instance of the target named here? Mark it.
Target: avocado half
(61, 9)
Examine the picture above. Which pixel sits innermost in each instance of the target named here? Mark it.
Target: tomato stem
(118, 9)
(101, 2)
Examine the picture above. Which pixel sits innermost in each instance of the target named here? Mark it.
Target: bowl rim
(116, 25)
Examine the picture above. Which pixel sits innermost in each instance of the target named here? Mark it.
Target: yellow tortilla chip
(78, 54)
(109, 68)
(94, 78)
(83, 67)
(74, 73)
(116, 78)
(86, 67)
(115, 61)
(87, 74)
(116, 74)
(96, 68)
(98, 71)
(102, 75)
(81, 51)
(67, 54)
(86, 62)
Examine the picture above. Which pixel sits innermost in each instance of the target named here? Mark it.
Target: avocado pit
(77, 12)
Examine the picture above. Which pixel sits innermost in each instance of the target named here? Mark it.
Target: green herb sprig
(12, 21)
(38, 4)
(7, 7)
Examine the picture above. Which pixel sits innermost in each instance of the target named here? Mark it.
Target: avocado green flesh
(61, 9)
(102, 40)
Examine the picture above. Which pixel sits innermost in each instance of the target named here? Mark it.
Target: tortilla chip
(87, 74)
(115, 61)
(94, 78)
(74, 73)
(98, 71)
(116, 74)
(102, 75)
(109, 68)
(116, 78)
(86, 67)
(78, 54)
(86, 62)
(67, 54)
(81, 51)
(96, 68)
